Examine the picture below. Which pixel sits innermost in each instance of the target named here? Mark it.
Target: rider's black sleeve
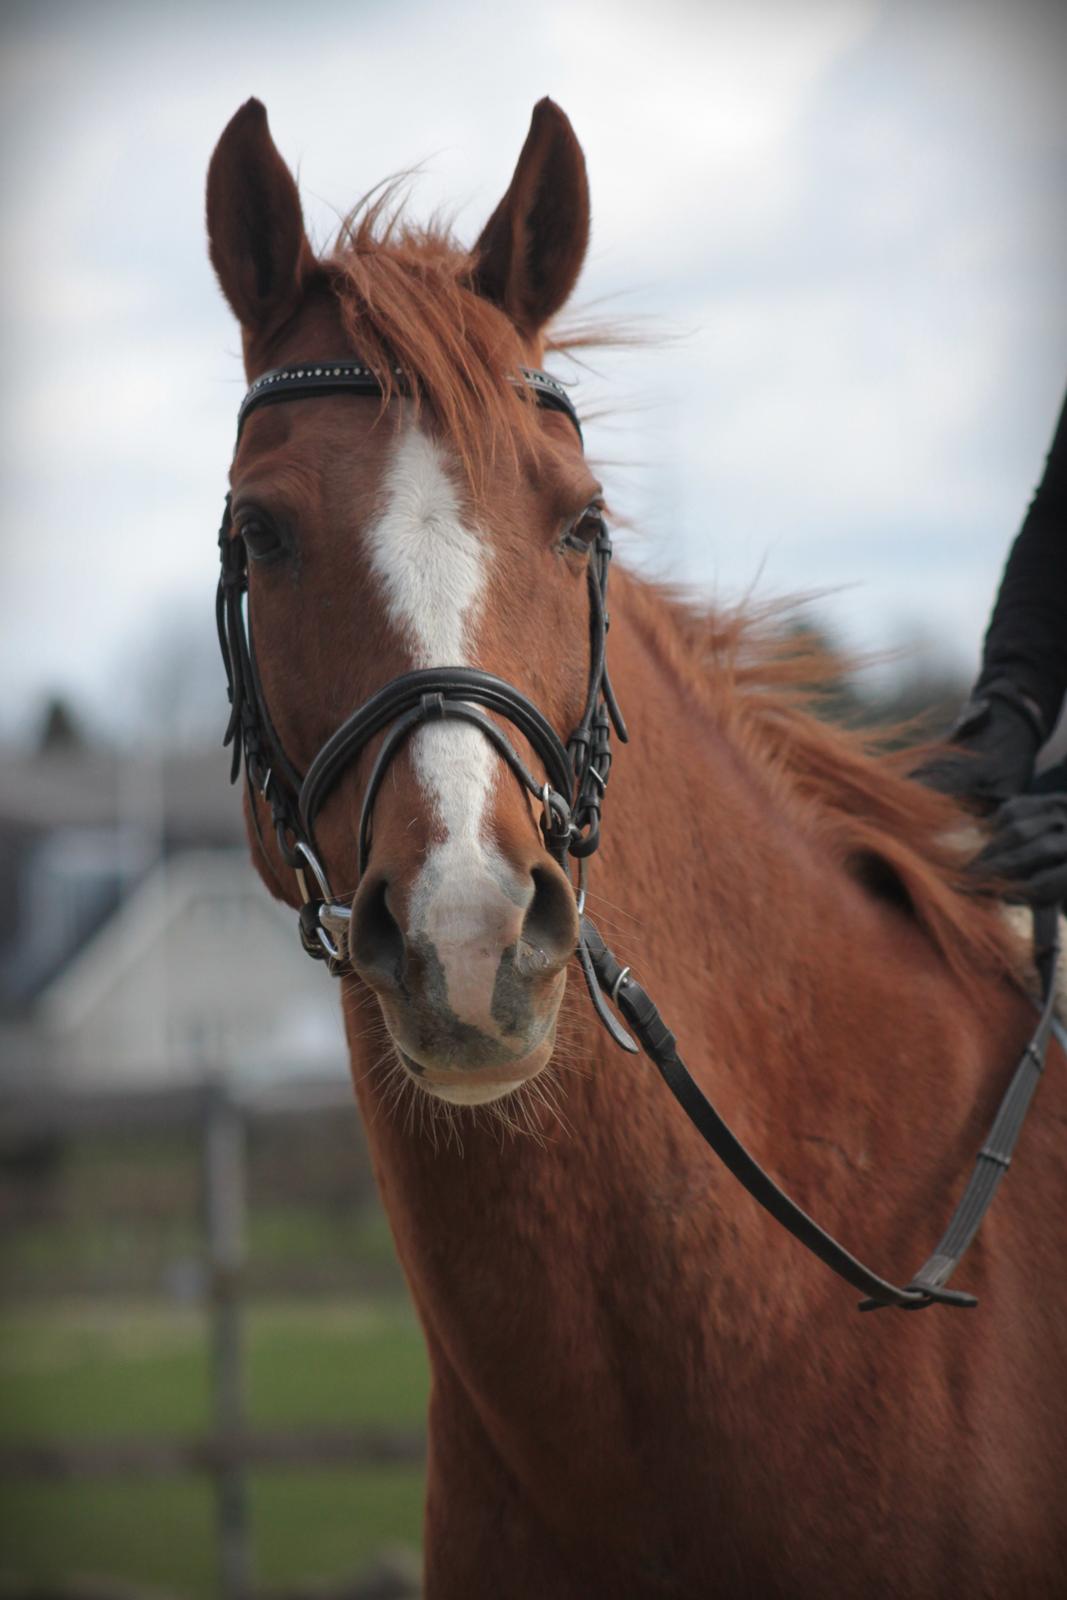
(1027, 637)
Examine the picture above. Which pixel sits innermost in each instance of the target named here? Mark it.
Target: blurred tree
(921, 695)
(833, 689)
(923, 700)
(169, 685)
(60, 728)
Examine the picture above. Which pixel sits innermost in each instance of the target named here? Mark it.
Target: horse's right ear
(255, 225)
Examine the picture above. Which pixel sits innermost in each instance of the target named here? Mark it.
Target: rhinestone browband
(328, 377)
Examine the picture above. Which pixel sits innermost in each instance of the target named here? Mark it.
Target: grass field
(345, 1246)
(77, 1369)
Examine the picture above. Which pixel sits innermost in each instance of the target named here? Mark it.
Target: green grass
(157, 1535)
(311, 1526)
(321, 1525)
(349, 1242)
(82, 1370)
(78, 1370)
(368, 1365)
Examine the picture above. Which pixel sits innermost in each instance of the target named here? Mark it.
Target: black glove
(992, 748)
(1029, 848)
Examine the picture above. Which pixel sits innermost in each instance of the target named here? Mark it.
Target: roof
(198, 969)
(186, 795)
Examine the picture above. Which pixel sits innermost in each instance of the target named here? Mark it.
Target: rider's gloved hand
(988, 763)
(991, 749)
(1029, 848)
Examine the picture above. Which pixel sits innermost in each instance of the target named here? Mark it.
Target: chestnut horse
(642, 1386)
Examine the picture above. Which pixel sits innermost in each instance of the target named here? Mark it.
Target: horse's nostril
(469, 926)
(550, 926)
(375, 941)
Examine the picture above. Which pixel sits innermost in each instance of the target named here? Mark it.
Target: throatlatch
(571, 798)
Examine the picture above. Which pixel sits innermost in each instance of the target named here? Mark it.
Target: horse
(641, 1385)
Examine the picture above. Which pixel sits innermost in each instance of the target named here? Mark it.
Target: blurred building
(137, 944)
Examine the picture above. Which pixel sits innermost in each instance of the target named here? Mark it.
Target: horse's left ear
(531, 250)
(255, 225)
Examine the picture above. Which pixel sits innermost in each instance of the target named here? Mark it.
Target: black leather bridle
(571, 797)
(577, 773)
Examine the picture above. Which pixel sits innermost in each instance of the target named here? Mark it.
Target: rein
(571, 797)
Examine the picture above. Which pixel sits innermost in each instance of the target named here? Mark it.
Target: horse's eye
(262, 540)
(586, 528)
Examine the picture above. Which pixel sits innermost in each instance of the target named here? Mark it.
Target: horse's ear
(255, 225)
(531, 250)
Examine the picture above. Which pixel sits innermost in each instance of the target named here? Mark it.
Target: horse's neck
(755, 947)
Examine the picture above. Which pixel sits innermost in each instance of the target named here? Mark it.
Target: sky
(838, 225)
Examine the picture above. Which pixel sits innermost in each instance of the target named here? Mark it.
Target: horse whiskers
(360, 1009)
(393, 1086)
(424, 1114)
(443, 1115)
(387, 1057)
(569, 1059)
(520, 1115)
(396, 1097)
(440, 1121)
(503, 1123)
(599, 901)
(376, 1028)
(619, 934)
(545, 1089)
(527, 1112)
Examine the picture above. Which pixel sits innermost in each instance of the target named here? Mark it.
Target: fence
(219, 1118)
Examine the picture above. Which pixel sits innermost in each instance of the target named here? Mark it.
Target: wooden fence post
(224, 1211)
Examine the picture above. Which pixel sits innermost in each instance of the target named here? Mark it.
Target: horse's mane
(766, 689)
(406, 301)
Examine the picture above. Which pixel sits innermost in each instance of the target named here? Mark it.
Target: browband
(349, 373)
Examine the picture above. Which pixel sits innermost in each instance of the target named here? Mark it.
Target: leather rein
(570, 797)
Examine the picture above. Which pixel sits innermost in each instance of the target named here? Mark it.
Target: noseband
(570, 796)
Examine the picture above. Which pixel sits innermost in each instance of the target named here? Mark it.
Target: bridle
(570, 796)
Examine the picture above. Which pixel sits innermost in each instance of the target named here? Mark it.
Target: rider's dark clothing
(989, 762)
(1027, 638)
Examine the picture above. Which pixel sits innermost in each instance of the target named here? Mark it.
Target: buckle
(556, 827)
(321, 918)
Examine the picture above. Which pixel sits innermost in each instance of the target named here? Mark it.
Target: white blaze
(432, 566)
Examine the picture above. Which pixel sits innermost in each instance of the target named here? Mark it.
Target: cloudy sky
(839, 222)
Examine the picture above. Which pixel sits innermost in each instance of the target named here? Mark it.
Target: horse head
(447, 521)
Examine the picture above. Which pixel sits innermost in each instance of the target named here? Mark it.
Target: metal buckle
(331, 919)
(305, 850)
(332, 931)
(617, 985)
(556, 821)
